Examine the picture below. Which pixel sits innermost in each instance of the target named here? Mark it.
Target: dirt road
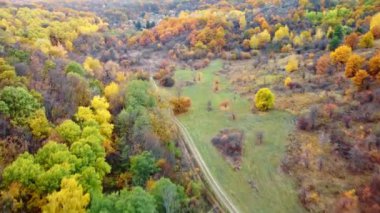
(218, 191)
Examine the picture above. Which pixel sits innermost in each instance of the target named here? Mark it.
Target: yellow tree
(39, 124)
(319, 34)
(58, 51)
(84, 114)
(366, 41)
(111, 91)
(306, 36)
(254, 42)
(264, 37)
(260, 39)
(92, 66)
(287, 81)
(98, 112)
(281, 33)
(264, 99)
(292, 64)
(242, 22)
(341, 55)
(297, 41)
(303, 3)
(101, 106)
(353, 65)
(246, 45)
(375, 21)
(70, 199)
(102, 115)
(113, 94)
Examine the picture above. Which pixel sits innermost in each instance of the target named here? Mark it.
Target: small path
(216, 188)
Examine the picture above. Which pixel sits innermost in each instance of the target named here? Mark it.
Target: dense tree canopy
(83, 127)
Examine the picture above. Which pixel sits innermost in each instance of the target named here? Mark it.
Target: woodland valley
(166, 106)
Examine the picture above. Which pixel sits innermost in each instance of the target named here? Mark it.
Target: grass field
(260, 163)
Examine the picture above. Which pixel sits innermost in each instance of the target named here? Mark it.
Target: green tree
(138, 95)
(142, 167)
(337, 37)
(264, 99)
(334, 43)
(136, 200)
(21, 104)
(23, 170)
(103, 203)
(53, 153)
(50, 179)
(74, 67)
(17, 56)
(90, 153)
(91, 180)
(57, 162)
(4, 110)
(8, 76)
(69, 131)
(170, 198)
(338, 32)
(44, 171)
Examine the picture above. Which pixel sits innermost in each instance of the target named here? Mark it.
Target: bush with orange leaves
(180, 104)
(323, 64)
(147, 37)
(352, 40)
(376, 31)
(374, 65)
(263, 22)
(161, 74)
(353, 65)
(359, 78)
(123, 180)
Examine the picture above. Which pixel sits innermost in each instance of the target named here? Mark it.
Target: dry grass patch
(298, 102)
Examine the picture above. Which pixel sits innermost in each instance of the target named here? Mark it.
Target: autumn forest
(169, 106)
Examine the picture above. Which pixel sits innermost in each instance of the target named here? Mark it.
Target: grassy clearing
(261, 163)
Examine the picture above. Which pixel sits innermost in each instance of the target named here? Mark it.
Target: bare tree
(209, 106)
(259, 137)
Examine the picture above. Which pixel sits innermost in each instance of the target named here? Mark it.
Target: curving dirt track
(218, 191)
